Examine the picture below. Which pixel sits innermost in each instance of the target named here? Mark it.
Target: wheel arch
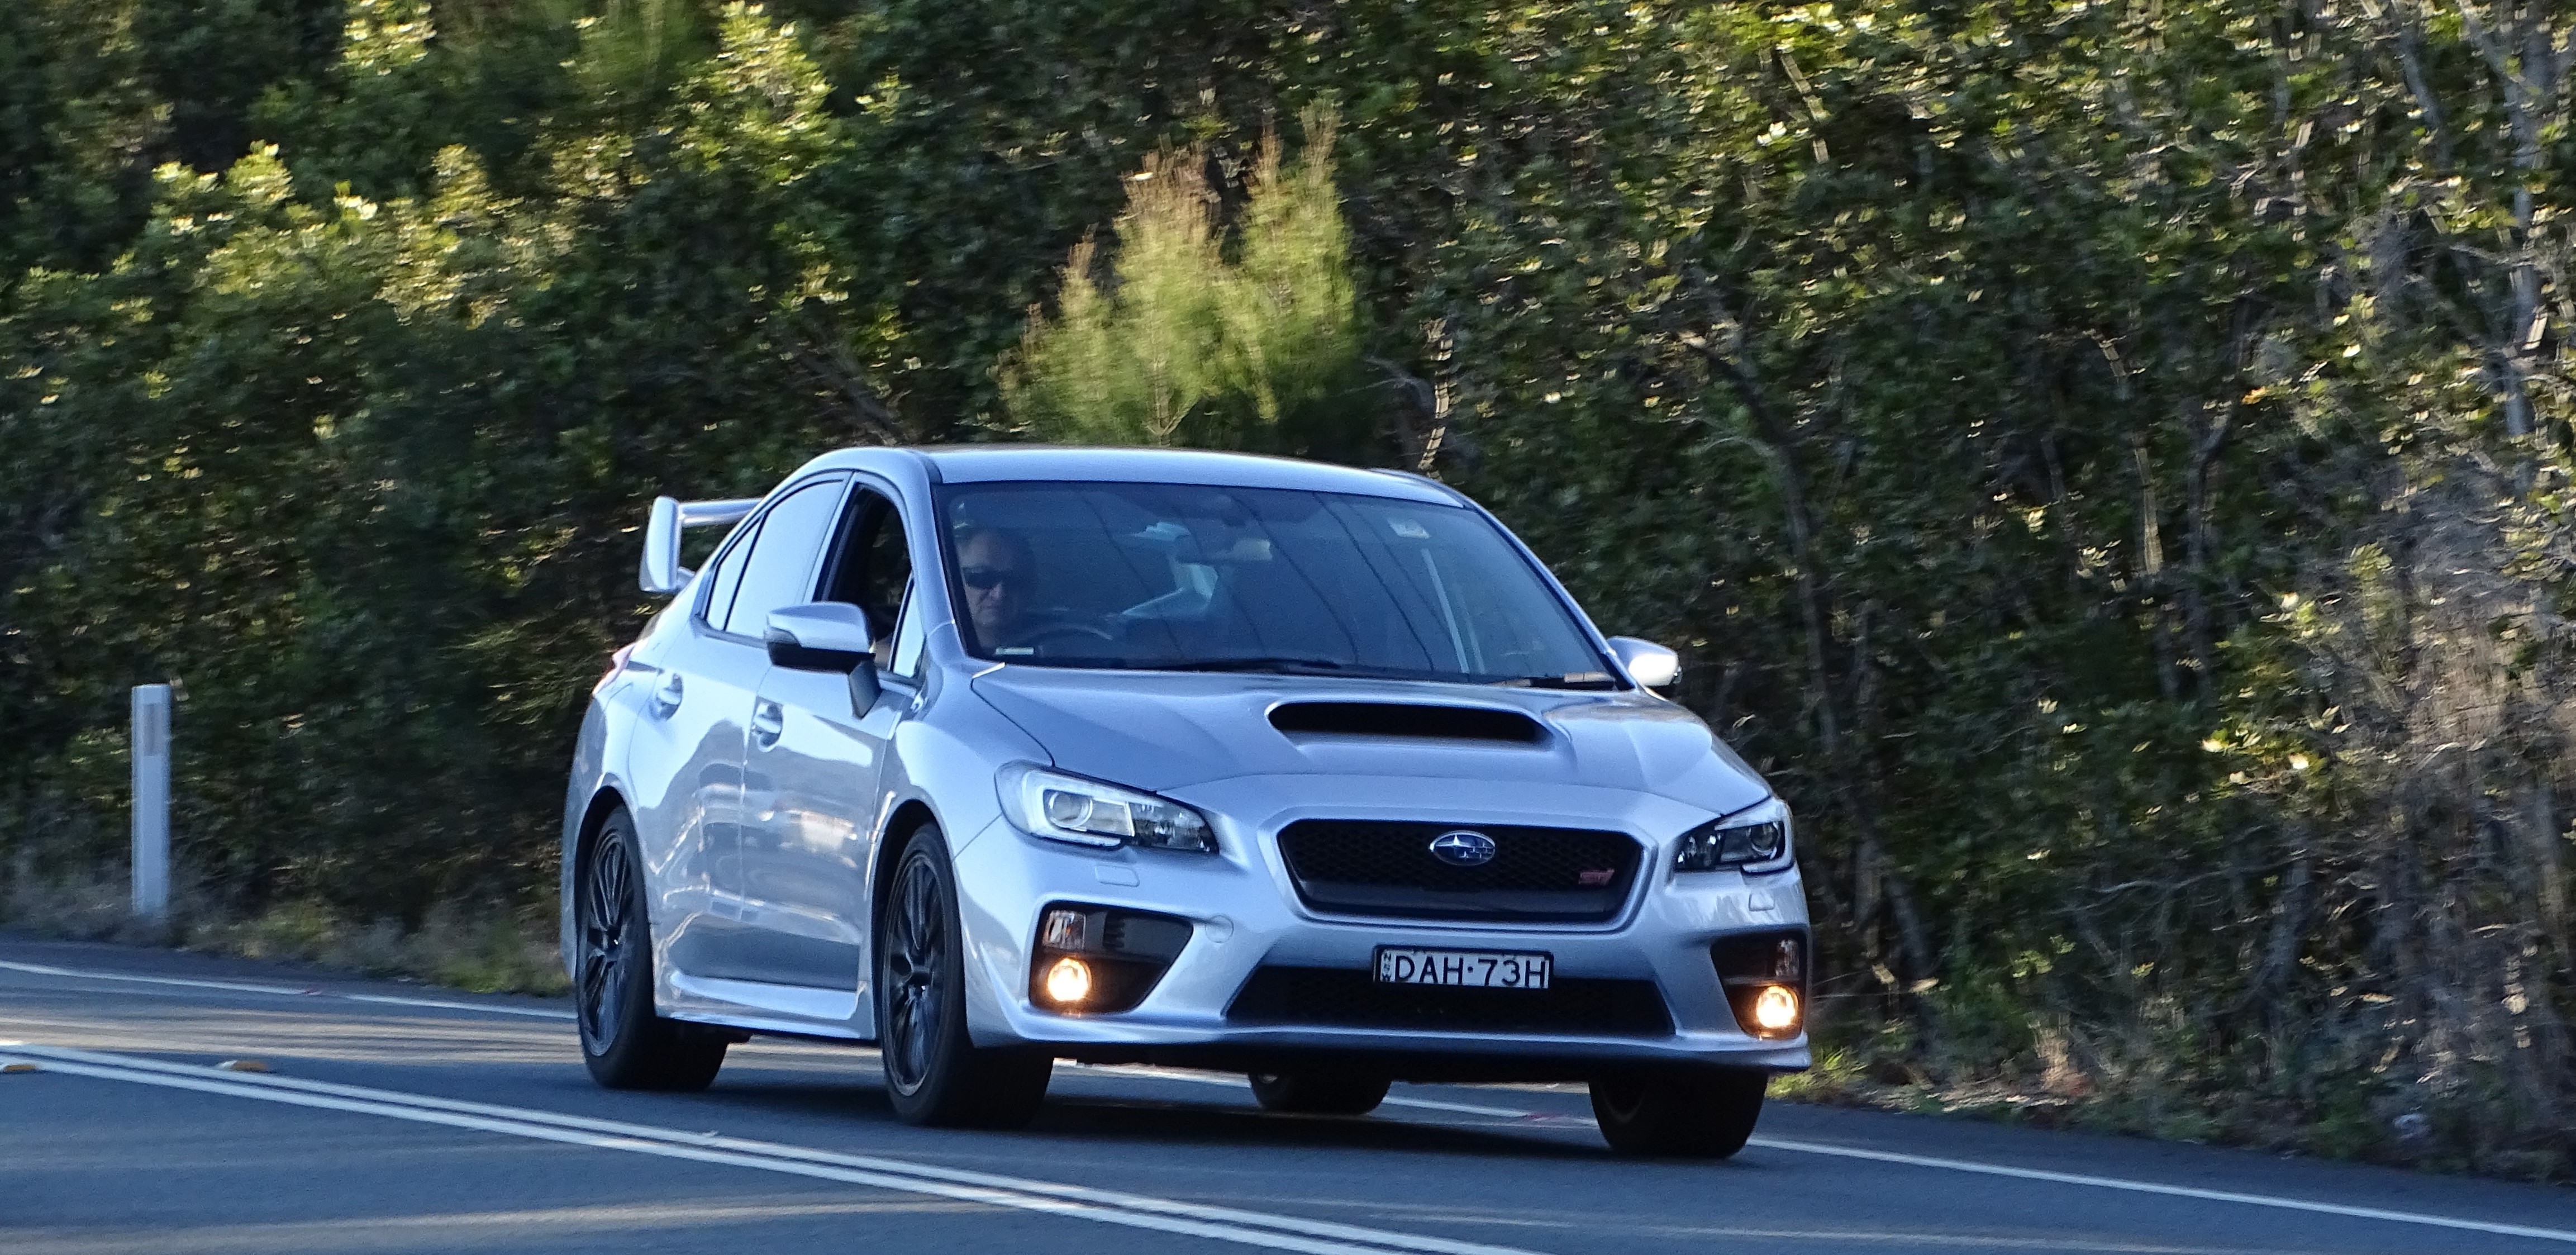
(605, 802)
(581, 839)
(906, 820)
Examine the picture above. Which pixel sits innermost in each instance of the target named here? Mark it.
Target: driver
(996, 566)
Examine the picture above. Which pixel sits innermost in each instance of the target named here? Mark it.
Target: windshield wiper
(1285, 666)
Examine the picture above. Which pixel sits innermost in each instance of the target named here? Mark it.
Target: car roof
(982, 464)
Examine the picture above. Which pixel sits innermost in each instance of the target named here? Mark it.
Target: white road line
(1280, 1232)
(1795, 1147)
(1986, 1169)
(2177, 1191)
(534, 1013)
(1168, 1074)
(1427, 1104)
(285, 991)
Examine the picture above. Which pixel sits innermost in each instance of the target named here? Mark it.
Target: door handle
(768, 723)
(666, 698)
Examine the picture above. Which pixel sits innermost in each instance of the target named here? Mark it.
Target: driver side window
(874, 573)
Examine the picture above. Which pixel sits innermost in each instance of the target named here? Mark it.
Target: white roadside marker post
(152, 801)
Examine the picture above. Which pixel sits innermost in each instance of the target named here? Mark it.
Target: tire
(934, 1074)
(1697, 1113)
(623, 1042)
(1319, 1093)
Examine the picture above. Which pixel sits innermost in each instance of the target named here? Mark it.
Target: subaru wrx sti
(996, 756)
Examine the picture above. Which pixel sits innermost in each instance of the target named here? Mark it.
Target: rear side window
(727, 577)
(781, 570)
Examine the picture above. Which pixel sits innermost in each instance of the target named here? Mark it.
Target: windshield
(1177, 577)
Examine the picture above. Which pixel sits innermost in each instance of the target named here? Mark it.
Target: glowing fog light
(1068, 982)
(1775, 1009)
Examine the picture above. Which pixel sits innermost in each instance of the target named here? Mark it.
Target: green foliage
(2109, 465)
(1188, 346)
(634, 51)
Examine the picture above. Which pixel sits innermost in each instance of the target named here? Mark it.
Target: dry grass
(1883, 1070)
(478, 946)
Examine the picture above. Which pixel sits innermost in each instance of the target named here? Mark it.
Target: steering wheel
(1049, 631)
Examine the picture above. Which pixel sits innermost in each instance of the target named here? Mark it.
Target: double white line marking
(1224, 1224)
(291, 991)
(2086, 1180)
(1064, 1199)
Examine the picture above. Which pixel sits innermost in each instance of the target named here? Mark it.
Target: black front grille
(1332, 997)
(1367, 867)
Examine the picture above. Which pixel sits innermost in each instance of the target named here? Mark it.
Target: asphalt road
(398, 1118)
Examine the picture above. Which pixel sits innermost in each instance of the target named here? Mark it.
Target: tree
(1184, 345)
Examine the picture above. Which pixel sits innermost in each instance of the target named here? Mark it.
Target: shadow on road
(1097, 1117)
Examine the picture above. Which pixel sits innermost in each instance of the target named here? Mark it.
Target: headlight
(1087, 812)
(1759, 845)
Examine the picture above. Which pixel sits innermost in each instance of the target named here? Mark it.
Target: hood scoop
(1407, 719)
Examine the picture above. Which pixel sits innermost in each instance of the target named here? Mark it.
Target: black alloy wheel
(623, 1042)
(934, 1073)
(1319, 1093)
(1690, 1113)
(915, 960)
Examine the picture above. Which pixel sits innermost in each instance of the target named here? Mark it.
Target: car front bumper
(1245, 914)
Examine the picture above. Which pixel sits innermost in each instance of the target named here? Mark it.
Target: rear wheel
(625, 1044)
(1699, 1113)
(1319, 1093)
(934, 1074)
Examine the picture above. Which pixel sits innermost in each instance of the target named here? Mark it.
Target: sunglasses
(983, 578)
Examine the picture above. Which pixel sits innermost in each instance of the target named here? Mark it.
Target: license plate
(1473, 969)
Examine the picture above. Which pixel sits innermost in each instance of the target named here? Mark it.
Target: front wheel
(1319, 1093)
(1696, 1113)
(934, 1074)
(626, 1045)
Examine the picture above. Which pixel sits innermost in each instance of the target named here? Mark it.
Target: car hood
(1170, 730)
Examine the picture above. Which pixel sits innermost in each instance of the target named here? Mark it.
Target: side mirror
(827, 636)
(1646, 662)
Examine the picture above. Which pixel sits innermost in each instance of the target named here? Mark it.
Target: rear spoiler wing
(661, 573)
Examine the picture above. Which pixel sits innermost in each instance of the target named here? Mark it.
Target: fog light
(1069, 982)
(1775, 1009)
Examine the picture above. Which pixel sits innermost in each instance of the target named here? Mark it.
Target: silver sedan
(993, 756)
